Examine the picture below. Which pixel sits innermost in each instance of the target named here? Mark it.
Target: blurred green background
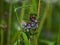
(12, 12)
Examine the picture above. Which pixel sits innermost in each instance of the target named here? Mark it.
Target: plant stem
(35, 37)
(49, 18)
(43, 18)
(42, 21)
(58, 37)
(33, 7)
(19, 21)
(2, 31)
(21, 17)
(2, 37)
(38, 9)
(9, 24)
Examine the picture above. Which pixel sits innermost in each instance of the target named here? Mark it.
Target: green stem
(49, 18)
(35, 37)
(33, 7)
(43, 18)
(58, 38)
(9, 24)
(38, 9)
(2, 34)
(15, 36)
(19, 21)
(22, 13)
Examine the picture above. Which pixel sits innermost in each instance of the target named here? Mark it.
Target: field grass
(48, 16)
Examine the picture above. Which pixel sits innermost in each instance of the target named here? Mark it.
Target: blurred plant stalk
(49, 18)
(2, 21)
(47, 10)
(20, 21)
(58, 37)
(9, 24)
(38, 14)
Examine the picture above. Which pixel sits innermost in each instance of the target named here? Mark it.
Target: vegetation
(11, 17)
